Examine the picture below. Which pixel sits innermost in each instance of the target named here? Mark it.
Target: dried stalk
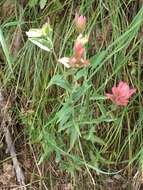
(5, 118)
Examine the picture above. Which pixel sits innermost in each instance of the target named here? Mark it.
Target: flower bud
(80, 22)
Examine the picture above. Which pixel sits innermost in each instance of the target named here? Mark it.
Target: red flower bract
(121, 94)
(77, 59)
(78, 49)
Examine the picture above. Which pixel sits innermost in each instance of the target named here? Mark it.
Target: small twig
(11, 150)
(10, 147)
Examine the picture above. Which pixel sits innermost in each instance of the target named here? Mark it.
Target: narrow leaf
(97, 59)
(5, 50)
(59, 81)
(42, 43)
(43, 3)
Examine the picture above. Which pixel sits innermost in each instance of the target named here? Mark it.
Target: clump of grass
(65, 110)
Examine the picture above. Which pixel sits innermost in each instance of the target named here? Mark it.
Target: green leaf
(44, 44)
(47, 152)
(43, 3)
(58, 156)
(79, 92)
(81, 73)
(102, 109)
(97, 59)
(66, 125)
(58, 3)
(95, 96)
(5, 50)
(32, 3)
(59, 81)
(73, 138)
(77, 129)
(64, 114)
(93, 138)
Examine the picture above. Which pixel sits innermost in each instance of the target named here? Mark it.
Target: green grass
(71, 121)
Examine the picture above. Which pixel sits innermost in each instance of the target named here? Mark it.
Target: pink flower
(79, 63)
(78, 49)
(80, 22)
(121, 94)
(78, 58)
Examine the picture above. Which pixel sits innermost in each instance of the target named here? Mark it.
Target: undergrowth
(65, 111)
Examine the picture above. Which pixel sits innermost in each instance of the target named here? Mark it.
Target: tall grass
(65, 111)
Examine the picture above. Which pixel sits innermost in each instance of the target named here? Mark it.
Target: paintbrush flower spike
(80, 22)
(121, 94)
(77, 60)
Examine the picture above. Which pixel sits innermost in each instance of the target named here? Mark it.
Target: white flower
(65, 61)
(34, 33)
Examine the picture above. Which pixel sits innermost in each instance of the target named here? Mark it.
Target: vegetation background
(67, 135)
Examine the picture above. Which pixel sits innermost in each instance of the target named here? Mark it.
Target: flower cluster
(42, 37)
(121, 94)
(77, 60)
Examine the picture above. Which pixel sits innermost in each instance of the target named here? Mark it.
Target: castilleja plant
(77, 60)
(42, 37)
(121, 94)
(80, 23)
